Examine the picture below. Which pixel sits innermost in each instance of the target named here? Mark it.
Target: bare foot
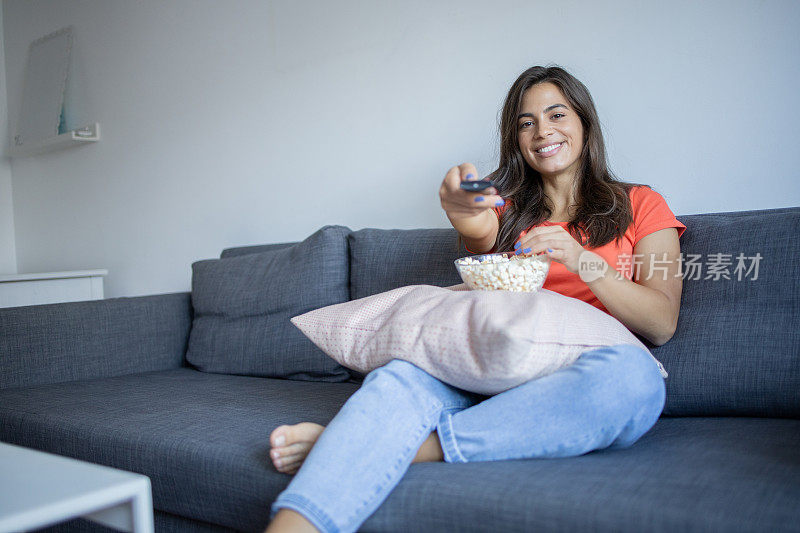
(290, 445)
(430, 451)
(288, 454)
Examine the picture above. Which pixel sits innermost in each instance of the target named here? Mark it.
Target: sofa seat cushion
(202, 438)
(686, 474)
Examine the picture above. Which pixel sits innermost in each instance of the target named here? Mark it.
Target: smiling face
(550, 131)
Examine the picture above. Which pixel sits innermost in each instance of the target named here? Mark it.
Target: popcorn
(506, 272)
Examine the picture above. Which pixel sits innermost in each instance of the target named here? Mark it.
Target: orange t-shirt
(650, 214)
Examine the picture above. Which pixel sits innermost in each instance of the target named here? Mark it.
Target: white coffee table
(38, 489)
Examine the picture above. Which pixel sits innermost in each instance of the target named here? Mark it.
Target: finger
(529, 237)
(521, 241)
(527, 242)
(556, 254)
(452, 180)
(539, 245)
(468, 171)
(477, 199)
(523, 248)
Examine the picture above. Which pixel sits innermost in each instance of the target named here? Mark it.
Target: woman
(560, 199)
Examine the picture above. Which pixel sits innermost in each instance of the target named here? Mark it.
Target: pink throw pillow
(479, 341)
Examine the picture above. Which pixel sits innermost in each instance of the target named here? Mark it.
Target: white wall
(8, 251)
(234, 123)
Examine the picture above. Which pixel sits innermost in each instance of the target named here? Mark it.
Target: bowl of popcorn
(504, 272)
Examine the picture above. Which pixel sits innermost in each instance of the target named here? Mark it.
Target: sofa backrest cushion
(736, 350)
(243, 303)
(382, 260)
(254, 249)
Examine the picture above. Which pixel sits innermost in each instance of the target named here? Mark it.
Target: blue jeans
(608, 398)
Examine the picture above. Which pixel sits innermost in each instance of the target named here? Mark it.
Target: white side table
(39, 489)
(51, 287)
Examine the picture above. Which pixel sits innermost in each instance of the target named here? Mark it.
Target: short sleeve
(651, 213)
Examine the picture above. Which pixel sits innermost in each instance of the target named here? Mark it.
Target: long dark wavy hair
(603, 209)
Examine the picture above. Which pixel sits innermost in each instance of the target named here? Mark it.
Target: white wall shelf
(77, 137)
(51, 287)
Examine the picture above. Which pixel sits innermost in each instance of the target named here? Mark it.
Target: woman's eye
(525, 124)
(558, 115)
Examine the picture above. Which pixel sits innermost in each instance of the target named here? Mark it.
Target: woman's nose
(543, 131)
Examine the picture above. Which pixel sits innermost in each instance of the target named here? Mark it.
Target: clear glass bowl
(504, 272)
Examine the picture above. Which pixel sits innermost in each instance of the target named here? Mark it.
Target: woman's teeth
(548, 148)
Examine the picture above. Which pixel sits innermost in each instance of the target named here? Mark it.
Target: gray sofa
(185, 388)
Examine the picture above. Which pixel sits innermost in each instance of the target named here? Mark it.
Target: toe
(283, 436)
(279, 436)
(292, 449)
(291, 459)
(289, 465)
(291, 468)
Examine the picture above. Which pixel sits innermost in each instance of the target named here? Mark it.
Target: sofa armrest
(51, 343)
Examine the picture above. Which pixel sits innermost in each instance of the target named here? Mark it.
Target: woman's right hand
(470, 213)
(460, 204)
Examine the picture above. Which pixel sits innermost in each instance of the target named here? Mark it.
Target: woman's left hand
(555, 241)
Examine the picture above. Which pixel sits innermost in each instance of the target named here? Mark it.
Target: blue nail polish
(479, 199)
(517, 245)
(499, 203)
(470, 176)
(518, 252)
(549, 249)
(526, 251)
